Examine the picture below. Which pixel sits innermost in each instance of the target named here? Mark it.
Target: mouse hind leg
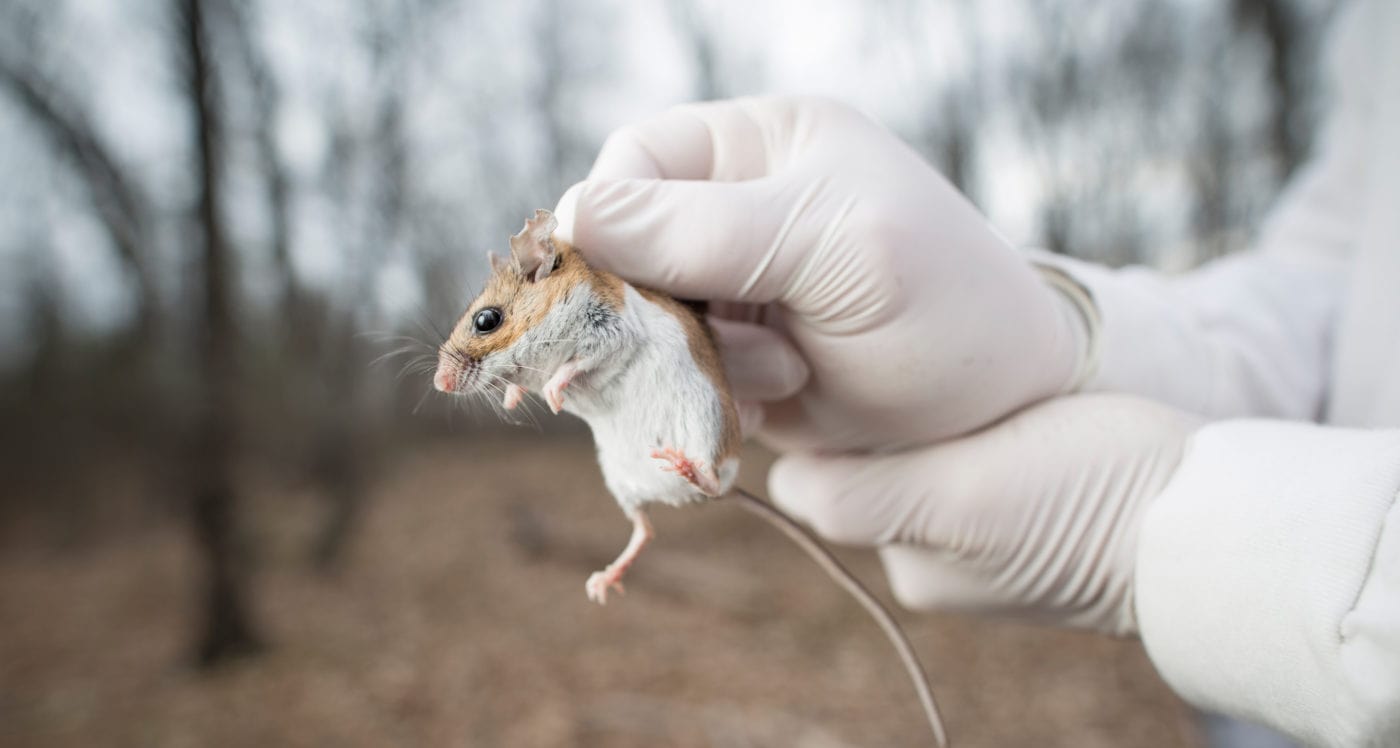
(611, 577)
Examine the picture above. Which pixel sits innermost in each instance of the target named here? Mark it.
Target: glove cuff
(1087, 322)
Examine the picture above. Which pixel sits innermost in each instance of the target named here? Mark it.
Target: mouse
(644, 371)
(640, 368)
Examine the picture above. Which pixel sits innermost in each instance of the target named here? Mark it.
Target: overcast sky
(475, 57)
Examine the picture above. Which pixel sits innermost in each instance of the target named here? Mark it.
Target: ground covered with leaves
(458, 618)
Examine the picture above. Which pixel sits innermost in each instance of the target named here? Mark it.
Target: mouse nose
(445, 378)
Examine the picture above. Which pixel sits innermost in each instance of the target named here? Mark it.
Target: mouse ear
(499, 264)
(533, 249)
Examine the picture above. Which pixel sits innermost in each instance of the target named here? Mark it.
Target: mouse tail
(848, 581)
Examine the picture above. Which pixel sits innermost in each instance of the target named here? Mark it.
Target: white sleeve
(1249, 334)
(1268, 579)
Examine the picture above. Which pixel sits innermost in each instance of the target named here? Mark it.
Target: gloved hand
(890, 312)
(1036, 517)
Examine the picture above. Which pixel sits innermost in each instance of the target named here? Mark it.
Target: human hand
(1035, 517)
(871, 305)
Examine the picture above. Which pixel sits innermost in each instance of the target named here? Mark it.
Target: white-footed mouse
(643, 370)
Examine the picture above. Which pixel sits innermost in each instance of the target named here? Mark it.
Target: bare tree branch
(120, 204)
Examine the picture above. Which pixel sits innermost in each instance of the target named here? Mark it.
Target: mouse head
(512, 330)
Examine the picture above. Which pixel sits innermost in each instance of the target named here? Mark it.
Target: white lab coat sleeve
(1249, 334)
(1268, 579)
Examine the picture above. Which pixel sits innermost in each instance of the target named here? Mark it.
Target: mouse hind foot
(695, 472)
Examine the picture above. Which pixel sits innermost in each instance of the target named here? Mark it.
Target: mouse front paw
(514, 393)
(554, 388)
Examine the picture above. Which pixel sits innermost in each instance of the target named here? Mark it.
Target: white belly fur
(660, 399)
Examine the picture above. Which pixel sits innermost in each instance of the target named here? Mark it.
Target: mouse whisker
(552, 340)
(522, 414)
(427, 326)
(426, 392)
(415, 368)
(502, 414)
(395, 353)
(385, 337)
(493, 396)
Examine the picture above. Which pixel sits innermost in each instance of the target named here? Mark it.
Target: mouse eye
(486, 320)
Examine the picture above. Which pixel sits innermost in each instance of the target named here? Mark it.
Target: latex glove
(1035, 517)
(866, 268)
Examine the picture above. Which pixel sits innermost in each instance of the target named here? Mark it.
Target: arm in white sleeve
(1248, 334)
(1268, 579)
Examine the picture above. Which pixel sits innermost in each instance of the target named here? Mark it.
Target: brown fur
(706, 354)
(607, 287)
(524, 303)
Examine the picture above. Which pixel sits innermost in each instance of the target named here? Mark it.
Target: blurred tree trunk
(1212, 167)
(1281, 27)
(277, 186)
(227, 629)
(949, 136)
(339, 467)
(341, 454)
(949, 111)
(550, 101)
(318, 345)
(689, 24)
